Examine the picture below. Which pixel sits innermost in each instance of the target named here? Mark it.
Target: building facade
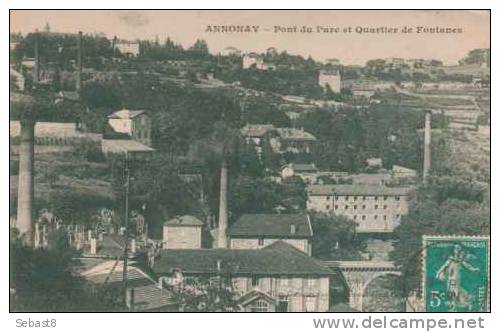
(374, 208)
(255, 231)
(128, 48)
(275, 278)
(134, 123)
(182, 233)
(331, 79)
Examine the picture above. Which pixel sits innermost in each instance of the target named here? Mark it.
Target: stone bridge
(359, 274)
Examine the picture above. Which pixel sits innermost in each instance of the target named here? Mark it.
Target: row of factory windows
(363, 198)
(355, 207)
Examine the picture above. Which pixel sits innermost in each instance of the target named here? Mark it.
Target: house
(330, 78)
(228, 51)
(403, 172)
(307, 172)
(252, 59)
(374, 162)
(295, 140)
(143, 293)
(134, 123)
(278, 277)
(128, 147)
(183, 232)
(128, 48)
(375, 208)
(259, 134)
(254, 231)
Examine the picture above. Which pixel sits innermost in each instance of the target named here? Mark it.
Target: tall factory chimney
(36, 69)
(25, 193)
(222, 237)
(79, 62)
(427, 145)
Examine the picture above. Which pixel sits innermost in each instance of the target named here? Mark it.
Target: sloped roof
(125, 114)
(271, 225)
(278, 258)
(304, 167)
(124, 145)
(294, 134)
(184, 221)
(356, 189)
(256, 130)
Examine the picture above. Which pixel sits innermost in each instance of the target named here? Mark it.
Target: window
(397, 198)
(261, 242)
(311, 282)
(327, 198)
(284, 282)
(282, 304)
(376, 206)
(336, 207)
(328, 207)
(355, 198)
(364, 198)
(363, 217)
(336, 198)
(346, 207)
(385, 207)
(347, 198)
(310, 303)
(376, 198)
(355, 207)
(397, 215)
(259, 306)
(385, 198)
(364, 207)
(355, 217)
(385, 217)
(375, 217)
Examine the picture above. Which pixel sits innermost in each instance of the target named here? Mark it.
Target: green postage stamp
(456, 273)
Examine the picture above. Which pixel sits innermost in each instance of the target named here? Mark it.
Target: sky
(185, 27)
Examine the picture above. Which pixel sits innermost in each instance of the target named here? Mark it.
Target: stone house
(183, 232)
(276, 278)
(255, 231)
(134, 123)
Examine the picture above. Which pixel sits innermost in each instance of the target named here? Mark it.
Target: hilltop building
(375, 208)
(128, 48)
(182, 233)
(330, 78)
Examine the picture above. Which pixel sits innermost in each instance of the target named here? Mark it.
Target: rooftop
(304, 167)
(271, 225)
(125, 114)
(356, 189)
(124, 145)
(256, 130)
(293, 134)
(184, 221)
(278, 258)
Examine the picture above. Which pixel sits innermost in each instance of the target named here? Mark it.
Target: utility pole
(125, 251)
(79, 62)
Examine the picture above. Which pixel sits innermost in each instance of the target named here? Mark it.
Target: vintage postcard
(249, 161)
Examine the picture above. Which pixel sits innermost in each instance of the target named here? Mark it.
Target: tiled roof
(278, 258)
(125, 114)
(256, 130)
(271, 225)
(293, 134)
(184, 221)
(356, 189)
(124, 145)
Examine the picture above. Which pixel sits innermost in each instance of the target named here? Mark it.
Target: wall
(372, 213)
(182, 237)
(253, 243)
(296, 290)
(141, 129)
(121, 125)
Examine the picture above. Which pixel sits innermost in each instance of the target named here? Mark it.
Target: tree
(334, 237)
(445, 205)
(204, 294)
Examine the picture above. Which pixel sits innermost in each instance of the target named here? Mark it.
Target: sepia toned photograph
(249, 161)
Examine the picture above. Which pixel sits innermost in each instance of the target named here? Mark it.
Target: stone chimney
(79, 62)
(427, 146)
(133, 247)
(293, 229)
(36, 69)
(221, 236)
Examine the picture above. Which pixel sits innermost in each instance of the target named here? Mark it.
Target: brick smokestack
(25, 193)
(427, 146)
(36, 69)
(222, 238)
(79, 62)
